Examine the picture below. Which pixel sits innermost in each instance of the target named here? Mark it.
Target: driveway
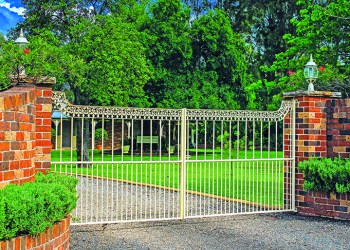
(272, 231)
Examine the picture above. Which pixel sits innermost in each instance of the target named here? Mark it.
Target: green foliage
(99, 134)
(188, 53)
(219, 61)
(7, 60)
(42, 59)
(224, 139)
(169, 51)
(325, 174)
(113, 68)
(202, 65)
(127, 141)
(35, 206)
(321, 29)
(53, 134)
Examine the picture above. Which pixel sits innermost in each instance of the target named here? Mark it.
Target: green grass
(255, 180)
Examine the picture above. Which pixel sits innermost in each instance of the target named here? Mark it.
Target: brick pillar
(311, 131)
(43, 105)
(17, 135)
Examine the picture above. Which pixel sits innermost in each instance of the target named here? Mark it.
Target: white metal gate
(180, 163)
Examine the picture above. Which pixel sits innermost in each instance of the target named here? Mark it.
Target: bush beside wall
(35, 206)
(326, 175)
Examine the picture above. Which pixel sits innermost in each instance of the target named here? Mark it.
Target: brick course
(53, 238)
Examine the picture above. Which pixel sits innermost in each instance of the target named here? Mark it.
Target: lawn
(258, 180)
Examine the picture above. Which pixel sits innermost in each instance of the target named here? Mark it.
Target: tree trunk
(83, 132)
(83, 141)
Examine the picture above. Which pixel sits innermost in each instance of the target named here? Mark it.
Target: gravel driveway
(273, 231)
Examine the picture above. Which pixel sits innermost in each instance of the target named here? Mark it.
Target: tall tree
(262, 23)
(169, 49)
(219, 57)
(104, 59)
(116, 68)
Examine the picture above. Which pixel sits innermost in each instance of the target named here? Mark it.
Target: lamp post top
(311, 63)
(311, 73)
(21, 40)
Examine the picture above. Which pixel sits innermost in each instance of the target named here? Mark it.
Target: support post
(183, 165)
(293, 153)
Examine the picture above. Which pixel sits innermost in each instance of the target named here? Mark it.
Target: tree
(262, 24)
(322, 30)
(104, 60)
(8, 62)
(113, 67)
(199, 7)
(40, 58)
(169, 50)
(116, 68)
(197, 66)
(219, 59)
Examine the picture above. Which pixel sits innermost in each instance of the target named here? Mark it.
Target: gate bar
(183, 165)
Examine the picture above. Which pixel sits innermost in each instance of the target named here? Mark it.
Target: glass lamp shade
(311, 70)
(21, 40)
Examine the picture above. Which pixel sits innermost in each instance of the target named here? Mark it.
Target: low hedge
(35, 206)
(326, 174)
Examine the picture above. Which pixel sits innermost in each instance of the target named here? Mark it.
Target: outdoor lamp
(21, 40)
(311, 74)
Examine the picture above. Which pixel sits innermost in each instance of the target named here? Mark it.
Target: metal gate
(162, 164)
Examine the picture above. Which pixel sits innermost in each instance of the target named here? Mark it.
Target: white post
(93, 133)
(293, 116)
(183, 165)
(56, 125)
(128, 124)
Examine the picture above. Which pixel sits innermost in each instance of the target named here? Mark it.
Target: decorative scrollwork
(240, 115)
(78, 111)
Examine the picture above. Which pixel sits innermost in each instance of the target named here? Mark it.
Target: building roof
(58, 115)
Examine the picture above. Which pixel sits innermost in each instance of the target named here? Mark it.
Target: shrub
(98, 135)
(35, 206)
(53, 134)
(325, 174)
(127, 141)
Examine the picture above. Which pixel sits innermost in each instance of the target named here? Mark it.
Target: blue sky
(11, 12)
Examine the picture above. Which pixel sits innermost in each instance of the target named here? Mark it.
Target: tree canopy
(189, 53)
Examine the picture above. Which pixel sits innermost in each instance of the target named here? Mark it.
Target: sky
(11, 12)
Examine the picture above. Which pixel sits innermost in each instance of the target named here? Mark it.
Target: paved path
(275, 231)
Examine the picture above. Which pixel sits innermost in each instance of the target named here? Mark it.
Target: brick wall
(338, 128)
(43, 108)
(55, 237)
(322, 130)
(25, 132)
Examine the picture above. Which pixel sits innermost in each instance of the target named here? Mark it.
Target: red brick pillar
(25, 132)
(310, 131)
(17, 135)
(43, 105)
